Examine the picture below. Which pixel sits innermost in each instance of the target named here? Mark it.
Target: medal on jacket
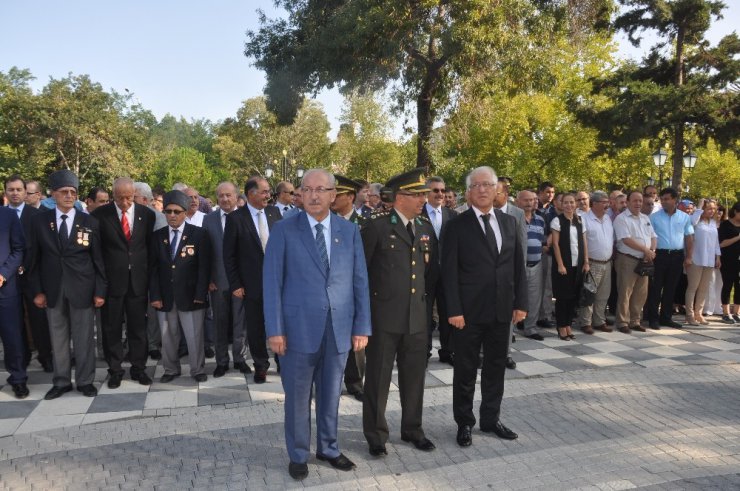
(424, 242)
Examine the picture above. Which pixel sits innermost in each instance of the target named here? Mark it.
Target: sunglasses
(173, 212)
(438, 191)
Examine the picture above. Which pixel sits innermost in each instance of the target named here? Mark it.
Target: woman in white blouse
(704, 260)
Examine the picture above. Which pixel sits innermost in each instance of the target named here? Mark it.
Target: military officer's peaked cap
(346, 185)
(413, 181)
(176, 198)
(64, 178)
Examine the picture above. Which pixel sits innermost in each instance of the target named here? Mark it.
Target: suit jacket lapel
(400, 229)
(138, 219)
(309, 243)
(252, 229)
(475, 225)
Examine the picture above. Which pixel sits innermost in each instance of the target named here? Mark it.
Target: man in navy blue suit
(12, 244)
(317, 308)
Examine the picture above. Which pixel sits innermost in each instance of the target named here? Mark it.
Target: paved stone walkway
(599, 426)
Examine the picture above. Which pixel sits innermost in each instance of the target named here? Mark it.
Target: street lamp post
(659, 158)
(284, 173)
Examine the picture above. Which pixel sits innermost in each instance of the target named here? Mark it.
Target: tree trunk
(425, 124)
(678, 137)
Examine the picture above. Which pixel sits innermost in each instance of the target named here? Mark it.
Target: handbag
(588, 291)
(645, 269)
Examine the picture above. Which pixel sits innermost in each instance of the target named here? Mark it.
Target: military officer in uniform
(344, 206)
(401, 254)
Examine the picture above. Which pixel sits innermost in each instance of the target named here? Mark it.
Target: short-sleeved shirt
(600, 236)
(555, 225)
(535, 237)
(671, 229)
(727, 231)
(635, 227)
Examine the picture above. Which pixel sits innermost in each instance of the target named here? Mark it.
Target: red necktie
(126, 228)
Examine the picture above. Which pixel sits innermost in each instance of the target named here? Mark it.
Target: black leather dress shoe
(220, 370)
(422, 444)
(501, 431)
(201, 377)
(242, 367)
(464, 435)
(510, 363)
(672, 324)
(536, 336)
(545, 323)
(142, 378)
(20, 390)
(449, 359)
(339, 462)
(47, 366)
(168, 377)
(209, 352)
(260, 376)
(357, 394)
(88, 390)
(55, 392)
(114, 380)
(155, 354)
(298, 471)
(377, 451)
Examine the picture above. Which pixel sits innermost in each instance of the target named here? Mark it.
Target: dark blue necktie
(321, 245)
(63, 230)
(173, 244)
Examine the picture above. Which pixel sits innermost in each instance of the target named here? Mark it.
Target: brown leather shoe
(587, 329)
(637, 327)
(625, 329)
(603, 328)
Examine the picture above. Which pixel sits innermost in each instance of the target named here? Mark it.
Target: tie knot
(319, 227)
(486, 216)
(174, 231)
(64, 217)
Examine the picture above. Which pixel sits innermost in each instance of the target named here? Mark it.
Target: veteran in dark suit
(67, 277)
(344, 206)
(438, 215)
(245, 239)
(401, 253)
(316, 309)
(15, 191)
(12, 246)
(181, 269)
(486, 290)
(228, 312)
(125, 233)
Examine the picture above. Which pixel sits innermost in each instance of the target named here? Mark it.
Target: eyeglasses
(173, 212)
(582, 199)
(320, 191)
(438, 191)
(482, 186)
(67, 192)
(289, 192)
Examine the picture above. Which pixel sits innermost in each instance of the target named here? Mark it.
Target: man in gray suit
(501, 201)
(225, 312)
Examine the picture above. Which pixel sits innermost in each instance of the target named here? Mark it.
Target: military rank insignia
(425, 248)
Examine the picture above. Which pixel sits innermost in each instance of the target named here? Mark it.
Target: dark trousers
(445, 339)
(468, 341)
(134, 309)
(409, 350)
(730, 271)
(668, 270)
(39, 329)
(229, 327)
(354, 371)
(565, 311)
(256, 337)
(11, 333)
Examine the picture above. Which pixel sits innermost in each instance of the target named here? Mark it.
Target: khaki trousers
(699, 278)
(632, 291)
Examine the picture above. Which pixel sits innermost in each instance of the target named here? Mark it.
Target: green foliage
(188, 165)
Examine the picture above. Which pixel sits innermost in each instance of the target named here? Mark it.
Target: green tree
(682, 85)
(184, 164)
(423, 48)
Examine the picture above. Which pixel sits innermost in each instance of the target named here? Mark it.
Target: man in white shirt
(636, 241)
(193, 215)
(600, 237)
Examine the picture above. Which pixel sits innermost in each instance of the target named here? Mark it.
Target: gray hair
(598, 196)
(228, 183)
(122, 181)
(437, 179)
(179, 186)
(328, 175)
(375, 188)
(144, 190)
(479, 170)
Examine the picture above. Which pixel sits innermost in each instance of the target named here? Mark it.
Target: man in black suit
(181, 268)
(438, 215)
(67, 277)
(125, 233)
(401, 254)
(245, 238)
(485, 289)
(227, 315)
(15, 191)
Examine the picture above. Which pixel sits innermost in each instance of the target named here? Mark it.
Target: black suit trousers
(668, 269)
(493, 338)
(444, 328)
(255, 318)
(134, 308)
(39, 325)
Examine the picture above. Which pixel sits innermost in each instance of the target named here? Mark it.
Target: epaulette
(378, 214)
(359, 219)
(423, 219)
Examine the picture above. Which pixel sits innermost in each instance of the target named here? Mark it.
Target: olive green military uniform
(398, 269)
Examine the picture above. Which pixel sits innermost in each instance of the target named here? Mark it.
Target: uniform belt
(532, 263)
(599, 262)
(630, 255)
(669, 251)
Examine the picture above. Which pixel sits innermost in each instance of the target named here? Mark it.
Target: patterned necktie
(321, 245)
(173, 244)
(490, 235)
(263, 230)
(125, 226)
(63, 230)
(436, 221)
